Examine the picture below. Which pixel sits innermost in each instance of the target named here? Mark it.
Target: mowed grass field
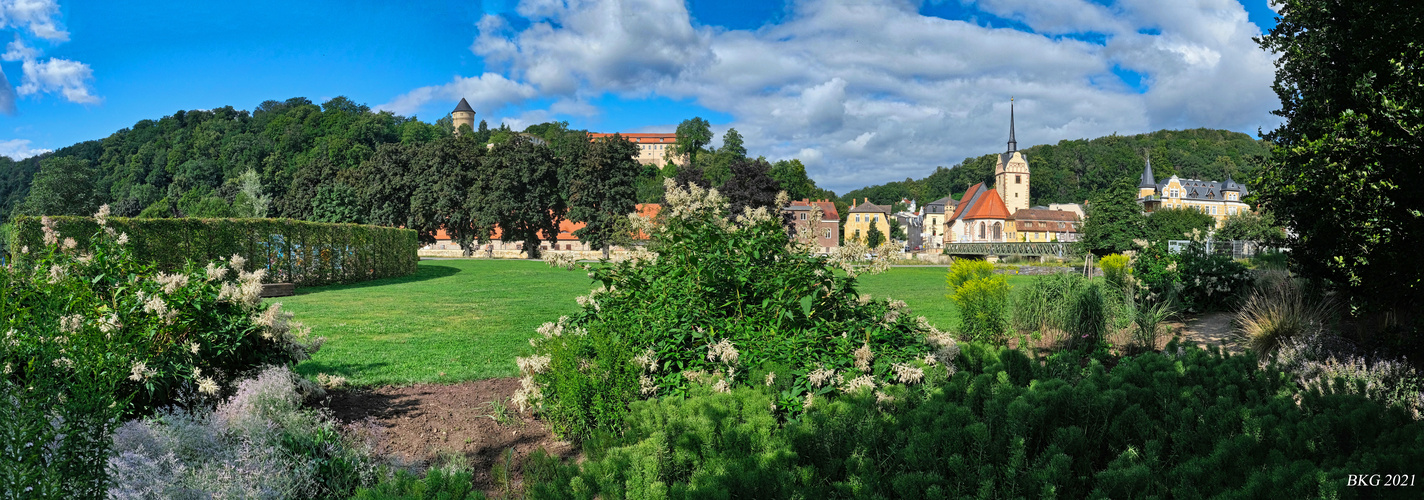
(458, 320)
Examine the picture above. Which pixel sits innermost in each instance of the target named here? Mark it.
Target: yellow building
(1217, 199)
(1039, 225)
(863, 216)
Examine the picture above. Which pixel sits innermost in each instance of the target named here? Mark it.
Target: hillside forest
(343, 162)
(1072, 171)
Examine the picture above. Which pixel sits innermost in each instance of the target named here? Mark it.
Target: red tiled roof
(647, 138)
(567, 227)
(980, 202)
(828, 208)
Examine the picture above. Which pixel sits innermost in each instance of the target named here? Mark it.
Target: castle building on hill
(1217, 199)
(653, 149)
(463, 115)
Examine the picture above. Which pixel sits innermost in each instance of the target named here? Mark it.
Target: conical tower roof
(1013, 144)
(463, 106)
(1148, 181)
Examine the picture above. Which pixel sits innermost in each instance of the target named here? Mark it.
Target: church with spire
(986, 215)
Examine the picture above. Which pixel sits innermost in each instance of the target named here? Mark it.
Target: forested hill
(195, 157)
(1071, 171)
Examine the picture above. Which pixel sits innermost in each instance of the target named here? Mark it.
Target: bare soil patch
(1209, 329)
(426, 423)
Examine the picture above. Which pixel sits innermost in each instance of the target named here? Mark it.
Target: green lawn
(922, 288)
(452, 320)
(457, 320)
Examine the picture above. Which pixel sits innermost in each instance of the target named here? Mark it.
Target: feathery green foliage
(1194, 423)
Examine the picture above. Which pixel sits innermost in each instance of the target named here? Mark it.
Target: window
(857, 217)
(1213, 210)
(1018, 179)
(1174, 193)
(1230, 210)
(803, 215)
(827, 233)
(1060, 226)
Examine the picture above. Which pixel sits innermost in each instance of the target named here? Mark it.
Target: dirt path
(1206, 330)
(425, 423)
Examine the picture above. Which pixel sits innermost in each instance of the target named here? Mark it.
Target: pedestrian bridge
(1059, 249)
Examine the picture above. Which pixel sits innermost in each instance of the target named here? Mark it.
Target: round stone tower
(463, 115)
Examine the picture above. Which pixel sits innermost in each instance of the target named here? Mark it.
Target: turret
(463, 115)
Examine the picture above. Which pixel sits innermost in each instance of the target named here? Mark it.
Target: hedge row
(292, 251)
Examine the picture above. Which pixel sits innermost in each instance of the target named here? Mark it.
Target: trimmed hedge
(292, 251)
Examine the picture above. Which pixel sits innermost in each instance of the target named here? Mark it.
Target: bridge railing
(1056, 249)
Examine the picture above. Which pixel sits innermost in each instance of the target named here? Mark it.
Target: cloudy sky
(863, 92)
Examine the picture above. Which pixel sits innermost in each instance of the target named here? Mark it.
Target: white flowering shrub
(91, 334)
(724, 301)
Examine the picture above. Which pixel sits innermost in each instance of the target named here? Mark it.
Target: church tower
(463, 115)
(1011, 172)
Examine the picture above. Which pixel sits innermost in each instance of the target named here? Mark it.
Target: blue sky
(862, 92)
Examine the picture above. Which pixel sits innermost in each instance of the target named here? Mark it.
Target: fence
(292, 251)
(1237, 249)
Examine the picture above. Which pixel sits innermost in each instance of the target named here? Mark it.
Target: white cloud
(37, 15)
(68, 78)
(7, 95)
(19, 149)
(871, 91)
(17, 50)
(487, 91)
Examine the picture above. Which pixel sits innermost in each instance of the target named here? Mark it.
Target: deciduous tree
(750, 186)
(1114, 219)
(602, 190)
(1344, 169)
(1176, 223)
(527, 193)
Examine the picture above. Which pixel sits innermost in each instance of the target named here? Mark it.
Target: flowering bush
(93, 334)
(1210, 281)
(724, 302)
(1115, 269)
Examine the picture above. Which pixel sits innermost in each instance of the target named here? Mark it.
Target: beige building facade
(1217, 199)
(653, 149)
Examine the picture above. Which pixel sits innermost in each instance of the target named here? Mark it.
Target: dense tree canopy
(1345, 167)
(602, 190)
(1114, 220)
(1176, 223)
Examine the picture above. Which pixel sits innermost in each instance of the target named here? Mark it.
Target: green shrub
(1115, 269)
(721, 303)
(1087, 320)
(965, 270)
(292, 251)
(1278, 309)
(983, 308)
(1210, 281)
(1047, 304)
(1196, 425)
(93, 335)
(438, 484)
(1155, 273)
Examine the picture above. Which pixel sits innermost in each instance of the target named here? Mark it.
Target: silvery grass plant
(724, 300)
(260, 443)
(91, 336)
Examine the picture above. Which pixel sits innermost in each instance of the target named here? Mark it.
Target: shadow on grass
(426, 271)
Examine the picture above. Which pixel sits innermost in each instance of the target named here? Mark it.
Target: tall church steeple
(1013, 144)
(1011, 173)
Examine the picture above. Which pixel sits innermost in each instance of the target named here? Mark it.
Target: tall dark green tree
(750, 186)
(63, 186)
(1259, 227)
(1344, 171)
(602, 190)
(732, 144)
(1114, 219)
(692, 135)
(453, 191)
(874, 237)
(385, 184)
(1175, 223)
(527, 193)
